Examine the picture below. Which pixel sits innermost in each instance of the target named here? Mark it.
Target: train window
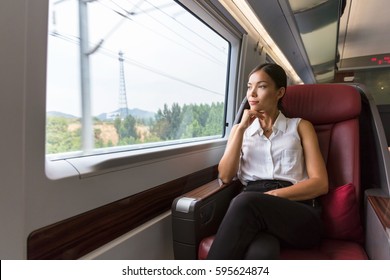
(130, 74)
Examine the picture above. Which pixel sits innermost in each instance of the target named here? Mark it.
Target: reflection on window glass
(125, 74)
(377, 82)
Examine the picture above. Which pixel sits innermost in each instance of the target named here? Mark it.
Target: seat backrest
(334, 111)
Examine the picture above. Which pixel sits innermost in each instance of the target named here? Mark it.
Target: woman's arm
(229, 163)
(317, 183)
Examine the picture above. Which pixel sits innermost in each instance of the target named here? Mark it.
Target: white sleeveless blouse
(279, 157)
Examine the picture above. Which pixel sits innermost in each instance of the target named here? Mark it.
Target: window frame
(121, 157)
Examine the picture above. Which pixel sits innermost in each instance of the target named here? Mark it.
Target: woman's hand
(272, 192)
(248, 117)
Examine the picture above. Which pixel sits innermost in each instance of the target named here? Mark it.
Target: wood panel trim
(381, 206)
(74, 237)
(210, 189)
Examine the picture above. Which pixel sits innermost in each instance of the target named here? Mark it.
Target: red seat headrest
(322, 103)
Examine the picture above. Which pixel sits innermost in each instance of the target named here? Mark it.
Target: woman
(279, 162)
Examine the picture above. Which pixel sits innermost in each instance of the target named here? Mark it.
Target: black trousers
(256, 225)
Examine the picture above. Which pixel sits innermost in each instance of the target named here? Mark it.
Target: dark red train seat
(334, 111)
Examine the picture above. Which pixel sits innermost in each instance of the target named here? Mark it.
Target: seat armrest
(198, 213)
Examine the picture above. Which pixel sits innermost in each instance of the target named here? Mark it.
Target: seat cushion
(329, 249)
(342, 225)
(340, 214)
(204, 247)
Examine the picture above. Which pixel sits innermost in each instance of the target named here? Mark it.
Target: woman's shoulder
(302, 126)
(305, 123)
(297, 121)
(305, 127)
(292, 122)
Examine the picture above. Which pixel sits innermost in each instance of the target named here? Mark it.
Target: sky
(170, 56)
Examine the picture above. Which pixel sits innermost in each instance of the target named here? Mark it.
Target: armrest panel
(197, 214)
(378, 227)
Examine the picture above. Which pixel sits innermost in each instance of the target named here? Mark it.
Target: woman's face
(262, 94)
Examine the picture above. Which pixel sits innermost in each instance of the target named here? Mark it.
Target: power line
(136, 63)
(198, 50)
(126, 15)
(184, 26)
(192, 43)
(161, 73)
(76, 40)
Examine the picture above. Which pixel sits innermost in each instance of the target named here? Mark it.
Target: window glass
(377, 82)
(129, 74)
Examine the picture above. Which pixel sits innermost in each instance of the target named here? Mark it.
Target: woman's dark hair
(277, 74)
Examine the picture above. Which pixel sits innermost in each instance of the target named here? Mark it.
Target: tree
(126, 129)
(168, 122)
(59, 138)
(194, 120)
(214, 124)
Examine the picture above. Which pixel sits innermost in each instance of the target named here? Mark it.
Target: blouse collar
(280, 124)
